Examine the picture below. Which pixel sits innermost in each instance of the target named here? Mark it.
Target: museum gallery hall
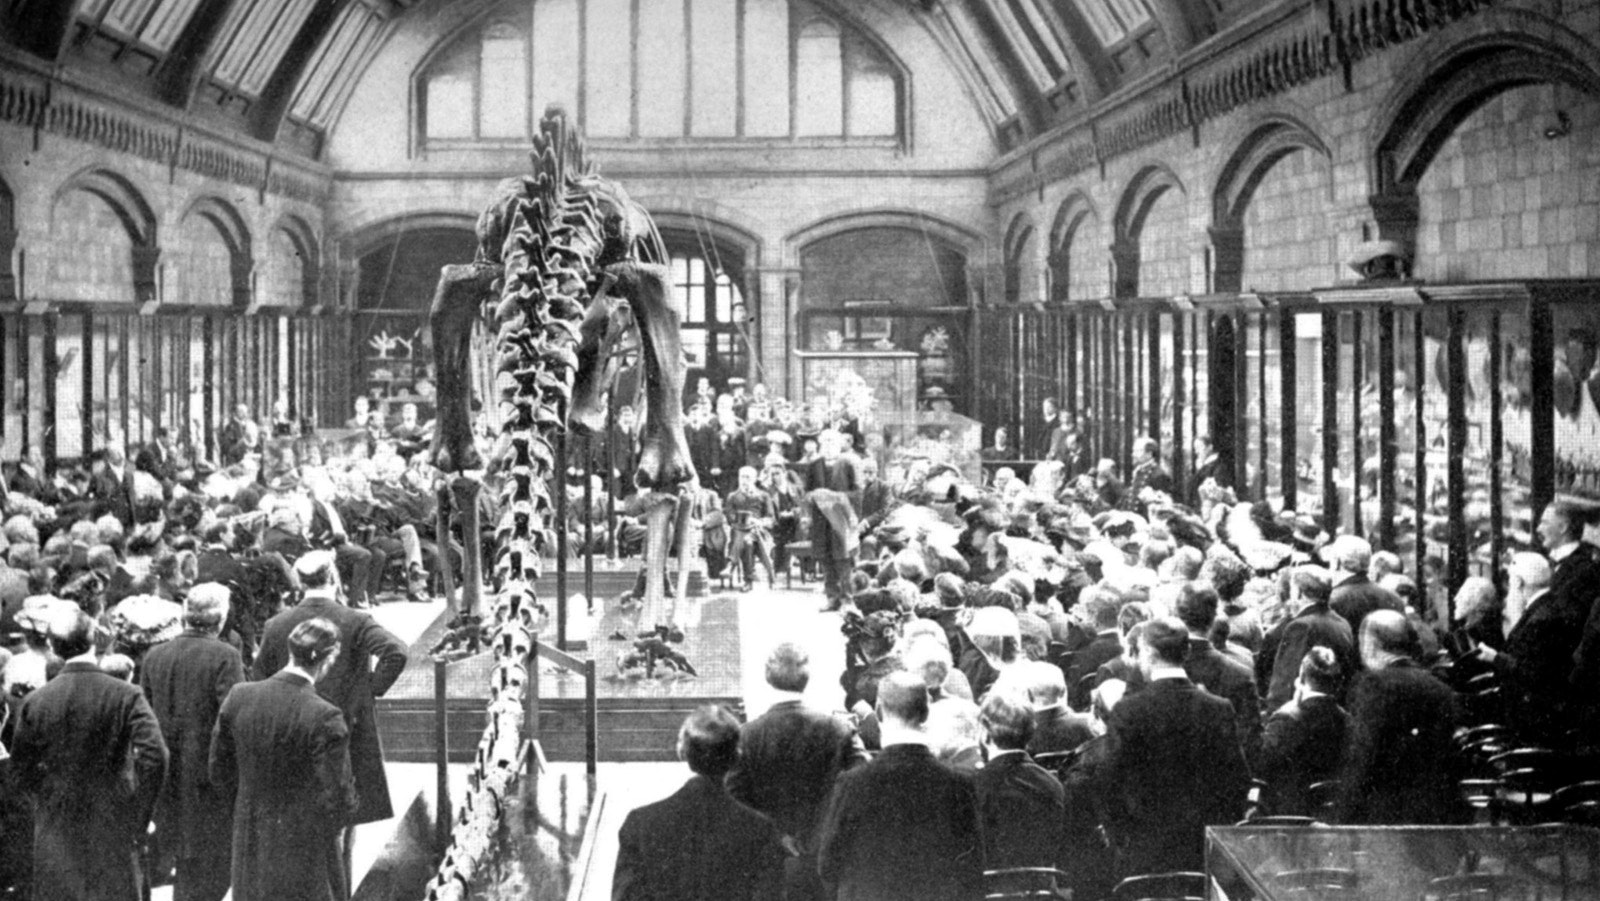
(1105, 450)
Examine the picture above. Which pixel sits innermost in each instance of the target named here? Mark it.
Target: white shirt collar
(1167, 672)
(1563, 552)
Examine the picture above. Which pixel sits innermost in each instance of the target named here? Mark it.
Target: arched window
(706, 294)
(693, 70)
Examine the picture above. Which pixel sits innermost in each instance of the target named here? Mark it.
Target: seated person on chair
(750, 514)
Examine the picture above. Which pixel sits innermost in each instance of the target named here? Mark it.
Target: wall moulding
(48, 106)
(1287, 54)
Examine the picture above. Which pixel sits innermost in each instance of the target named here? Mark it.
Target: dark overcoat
(186, 680)
(354, 684)
(88, 750)
(285, 753)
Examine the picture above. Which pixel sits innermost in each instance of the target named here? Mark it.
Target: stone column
(1227, 258)
(1125, 267)
(777, 305)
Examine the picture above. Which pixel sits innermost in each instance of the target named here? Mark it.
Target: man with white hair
(185, 680)
(1055, 728)
(298, 520)
(352, 683)
(1546, 627)
(1355, 594)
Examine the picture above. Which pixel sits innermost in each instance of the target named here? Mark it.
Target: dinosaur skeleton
(563, 272)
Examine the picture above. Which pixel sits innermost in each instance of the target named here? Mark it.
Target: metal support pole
(441, 755)
(530, 713)
(591, 720)
(612, 482)
(588, 520)
(560, 491)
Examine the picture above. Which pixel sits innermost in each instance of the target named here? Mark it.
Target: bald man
(1534, 667)
(1400, 765)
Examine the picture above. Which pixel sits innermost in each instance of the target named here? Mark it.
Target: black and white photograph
(800, 450)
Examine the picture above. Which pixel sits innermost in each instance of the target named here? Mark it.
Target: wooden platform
(638, 718)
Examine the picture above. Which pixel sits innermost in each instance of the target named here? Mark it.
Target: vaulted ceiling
(280, 71)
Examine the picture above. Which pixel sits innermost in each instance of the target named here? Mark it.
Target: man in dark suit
(352, 682)
(1305, 738)
(903, 826)
(1173, 763)
(788, 761)
(1148, 473)
(1215, 671)
(1055, 727)
(88, 751)
(1102, 604)
(1536, 664)
(31, 480)
(1354, 594)
(700, 844)
(238, 437)
(1576, 581)
(1400, 765)
(157, 458)
(284, 755)
(111, 487)
(1021, 805)
(1314, 623)
(186, 680)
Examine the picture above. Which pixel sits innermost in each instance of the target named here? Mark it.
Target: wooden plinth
(638, 718)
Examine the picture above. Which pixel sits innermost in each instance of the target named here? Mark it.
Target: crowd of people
(1067, 671)
(1057, 673)
(136, 596)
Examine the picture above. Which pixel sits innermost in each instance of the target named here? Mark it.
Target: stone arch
(1146, 187)
(1505, 49)
(132, 212)
(970, 242)
(364, 239)
(1266, 142)
(292, 261)
(1019, 253)
(715, 232)
(222, 216)
(1075, 214)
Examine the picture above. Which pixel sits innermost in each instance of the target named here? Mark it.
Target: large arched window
(691, 70)
(710, 304)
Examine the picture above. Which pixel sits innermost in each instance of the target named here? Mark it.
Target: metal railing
(506, 750)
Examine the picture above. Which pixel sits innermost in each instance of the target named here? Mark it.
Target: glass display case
(1403, 863)
(899, 439)
(1435, 420)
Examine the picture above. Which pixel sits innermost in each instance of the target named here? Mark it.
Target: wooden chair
(1323, 797)
(1577, 803)
(1480, 887)
(1332, 883)
(799, 553)
(1278, 820)
(1161, 887)
(1024, 884)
